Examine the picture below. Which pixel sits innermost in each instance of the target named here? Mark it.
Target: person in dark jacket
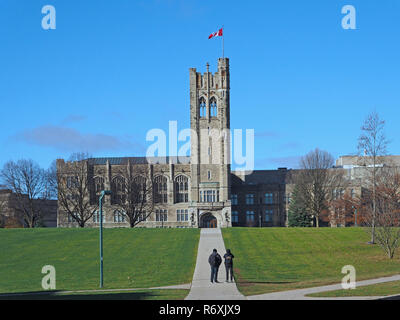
(228, 256)
(214, 260)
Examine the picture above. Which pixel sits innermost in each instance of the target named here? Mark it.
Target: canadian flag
(216, 34)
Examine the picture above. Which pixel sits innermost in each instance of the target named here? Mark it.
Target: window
(98, 184)
(181, 189)
(182, 215)
(209, 175)
(202, 108)
(234, 199)
(249, 215)
(209, 196)
(96, 217)
(269, 198)
(118, 195)
(161, 215)
(139, 188)
(119, 216)
(250, 198)
(235, 216)
(268, 215)
(160, 189)
(72, 182)
(213, 107)
(141, 216)
(352, 193)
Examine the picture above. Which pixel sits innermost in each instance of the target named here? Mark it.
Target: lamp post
(103, 193)
(355, 216)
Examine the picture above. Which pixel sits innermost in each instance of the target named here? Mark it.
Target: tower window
(202, 108)
(213, 107)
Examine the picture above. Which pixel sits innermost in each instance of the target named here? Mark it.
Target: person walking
(228, 256)
(214, 260)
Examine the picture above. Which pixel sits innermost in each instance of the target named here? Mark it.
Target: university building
(199, 190)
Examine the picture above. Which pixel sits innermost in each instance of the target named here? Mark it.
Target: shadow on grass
(57, 295)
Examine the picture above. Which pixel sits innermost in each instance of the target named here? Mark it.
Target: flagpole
(222, 41)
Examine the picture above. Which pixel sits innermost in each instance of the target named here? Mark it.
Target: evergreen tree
(298, 215)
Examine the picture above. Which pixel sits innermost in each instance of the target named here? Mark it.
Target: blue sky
(112, 70)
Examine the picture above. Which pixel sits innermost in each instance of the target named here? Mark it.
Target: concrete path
(202, 288)
(299, 294)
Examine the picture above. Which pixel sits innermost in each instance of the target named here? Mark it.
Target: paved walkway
(299, 294)
(202, 288)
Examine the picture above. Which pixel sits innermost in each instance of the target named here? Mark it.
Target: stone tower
(210, 146)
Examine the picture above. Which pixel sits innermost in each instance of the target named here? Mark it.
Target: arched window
(202, 108)
(118, 195)
(160, 189)
(98, 184)
(213, 107)
(181, 189)
(97, 187)
(139, 189)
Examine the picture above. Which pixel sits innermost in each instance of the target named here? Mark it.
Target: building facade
(200, 190)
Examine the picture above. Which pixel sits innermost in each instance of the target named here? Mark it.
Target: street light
(355, 216)
(103, 193)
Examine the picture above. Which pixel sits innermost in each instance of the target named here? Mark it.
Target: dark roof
(139, 160)
(260, 177)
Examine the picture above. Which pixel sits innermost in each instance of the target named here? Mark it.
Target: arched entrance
(208, 221)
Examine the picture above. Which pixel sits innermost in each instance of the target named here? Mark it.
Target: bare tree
(52, 181)
(74, 188)
(133, 193)
(386, 220)
(372, 145)
(28, 183)
(315, 181)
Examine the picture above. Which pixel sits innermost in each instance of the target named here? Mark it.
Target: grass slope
(275, 259)
(381, 289)
(133, 258)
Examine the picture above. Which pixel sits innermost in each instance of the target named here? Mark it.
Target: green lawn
(133, 258)
(382, 289)
(276, 259)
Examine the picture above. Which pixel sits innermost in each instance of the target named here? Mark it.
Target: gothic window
(118, 195)
(181, 189)
(209, 195)
(213, 107)
(139, 189)
(98, 186)
(72, 182)
(96, 217)
(160, 189)
(202, 108)
(161, 215)
(119, 216)
(182, 215)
